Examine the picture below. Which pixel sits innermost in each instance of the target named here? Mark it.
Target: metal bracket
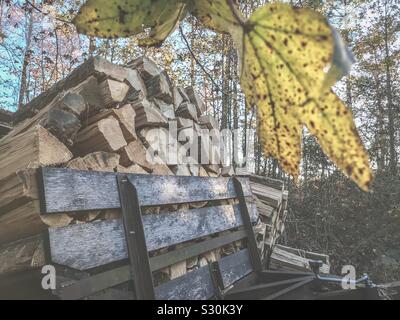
(251, 240)
(216, 279)
(135, 239)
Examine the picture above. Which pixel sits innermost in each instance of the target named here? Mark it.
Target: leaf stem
(235, 12)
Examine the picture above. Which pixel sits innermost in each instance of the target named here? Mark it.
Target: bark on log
(26, 220)
(88, 89)
(147, 68)
(63, 124)
(167, 110)
(159, 87)
(17, 189)
(98, 67)
(196, 100)
(22, 255)
(208, 121)
(148, 115)
(187, 110)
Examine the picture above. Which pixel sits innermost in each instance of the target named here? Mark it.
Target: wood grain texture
(235, 268)
(98, 67)
(197, 285)
(84, 246)
(67, 190)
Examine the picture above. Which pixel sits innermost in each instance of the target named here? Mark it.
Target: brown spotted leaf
(332, 123)
(219, 15)
(284, 54)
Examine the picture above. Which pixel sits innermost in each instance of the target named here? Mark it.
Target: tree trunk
(26, 61)
(392, 148)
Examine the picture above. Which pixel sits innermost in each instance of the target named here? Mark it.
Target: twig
(197, 60)
(201, 65)
(46, 13)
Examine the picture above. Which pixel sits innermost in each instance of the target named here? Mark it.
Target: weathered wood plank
(172, 257)
(197, 285)
(179, 288)
(67, 190)
(111, 278)
(235, 267)
(84, 246)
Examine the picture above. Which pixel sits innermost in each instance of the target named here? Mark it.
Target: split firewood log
(147, 114)
(96, 68)
(179, 96)
(104, 135)
(126, 117)
(137, 90)
(167, 109)
(196, 100)
(208, 121)
(20, 213)
(147, 68)
(159, 87)
(113, 92)
(63, 124)
(135, 153)
(184, 123)
(187, 110)
(134, 168)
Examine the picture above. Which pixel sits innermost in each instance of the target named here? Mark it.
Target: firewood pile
(105, 117)
(271, 198)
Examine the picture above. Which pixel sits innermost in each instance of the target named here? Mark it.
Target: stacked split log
(102, 117)
(271, 199)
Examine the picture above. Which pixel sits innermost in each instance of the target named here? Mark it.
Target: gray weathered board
(68, 190)
(197, 285)
(84, 246)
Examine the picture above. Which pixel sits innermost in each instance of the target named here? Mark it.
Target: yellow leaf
(300, 39)
(121, 18)
(284, 54)
(332, 123)
(219, 15)
(170, 18)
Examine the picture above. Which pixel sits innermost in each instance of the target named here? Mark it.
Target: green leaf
(170, 20)
(123, 18)
(218, 15)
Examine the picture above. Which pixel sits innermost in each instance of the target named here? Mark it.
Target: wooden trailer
(118, 258)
